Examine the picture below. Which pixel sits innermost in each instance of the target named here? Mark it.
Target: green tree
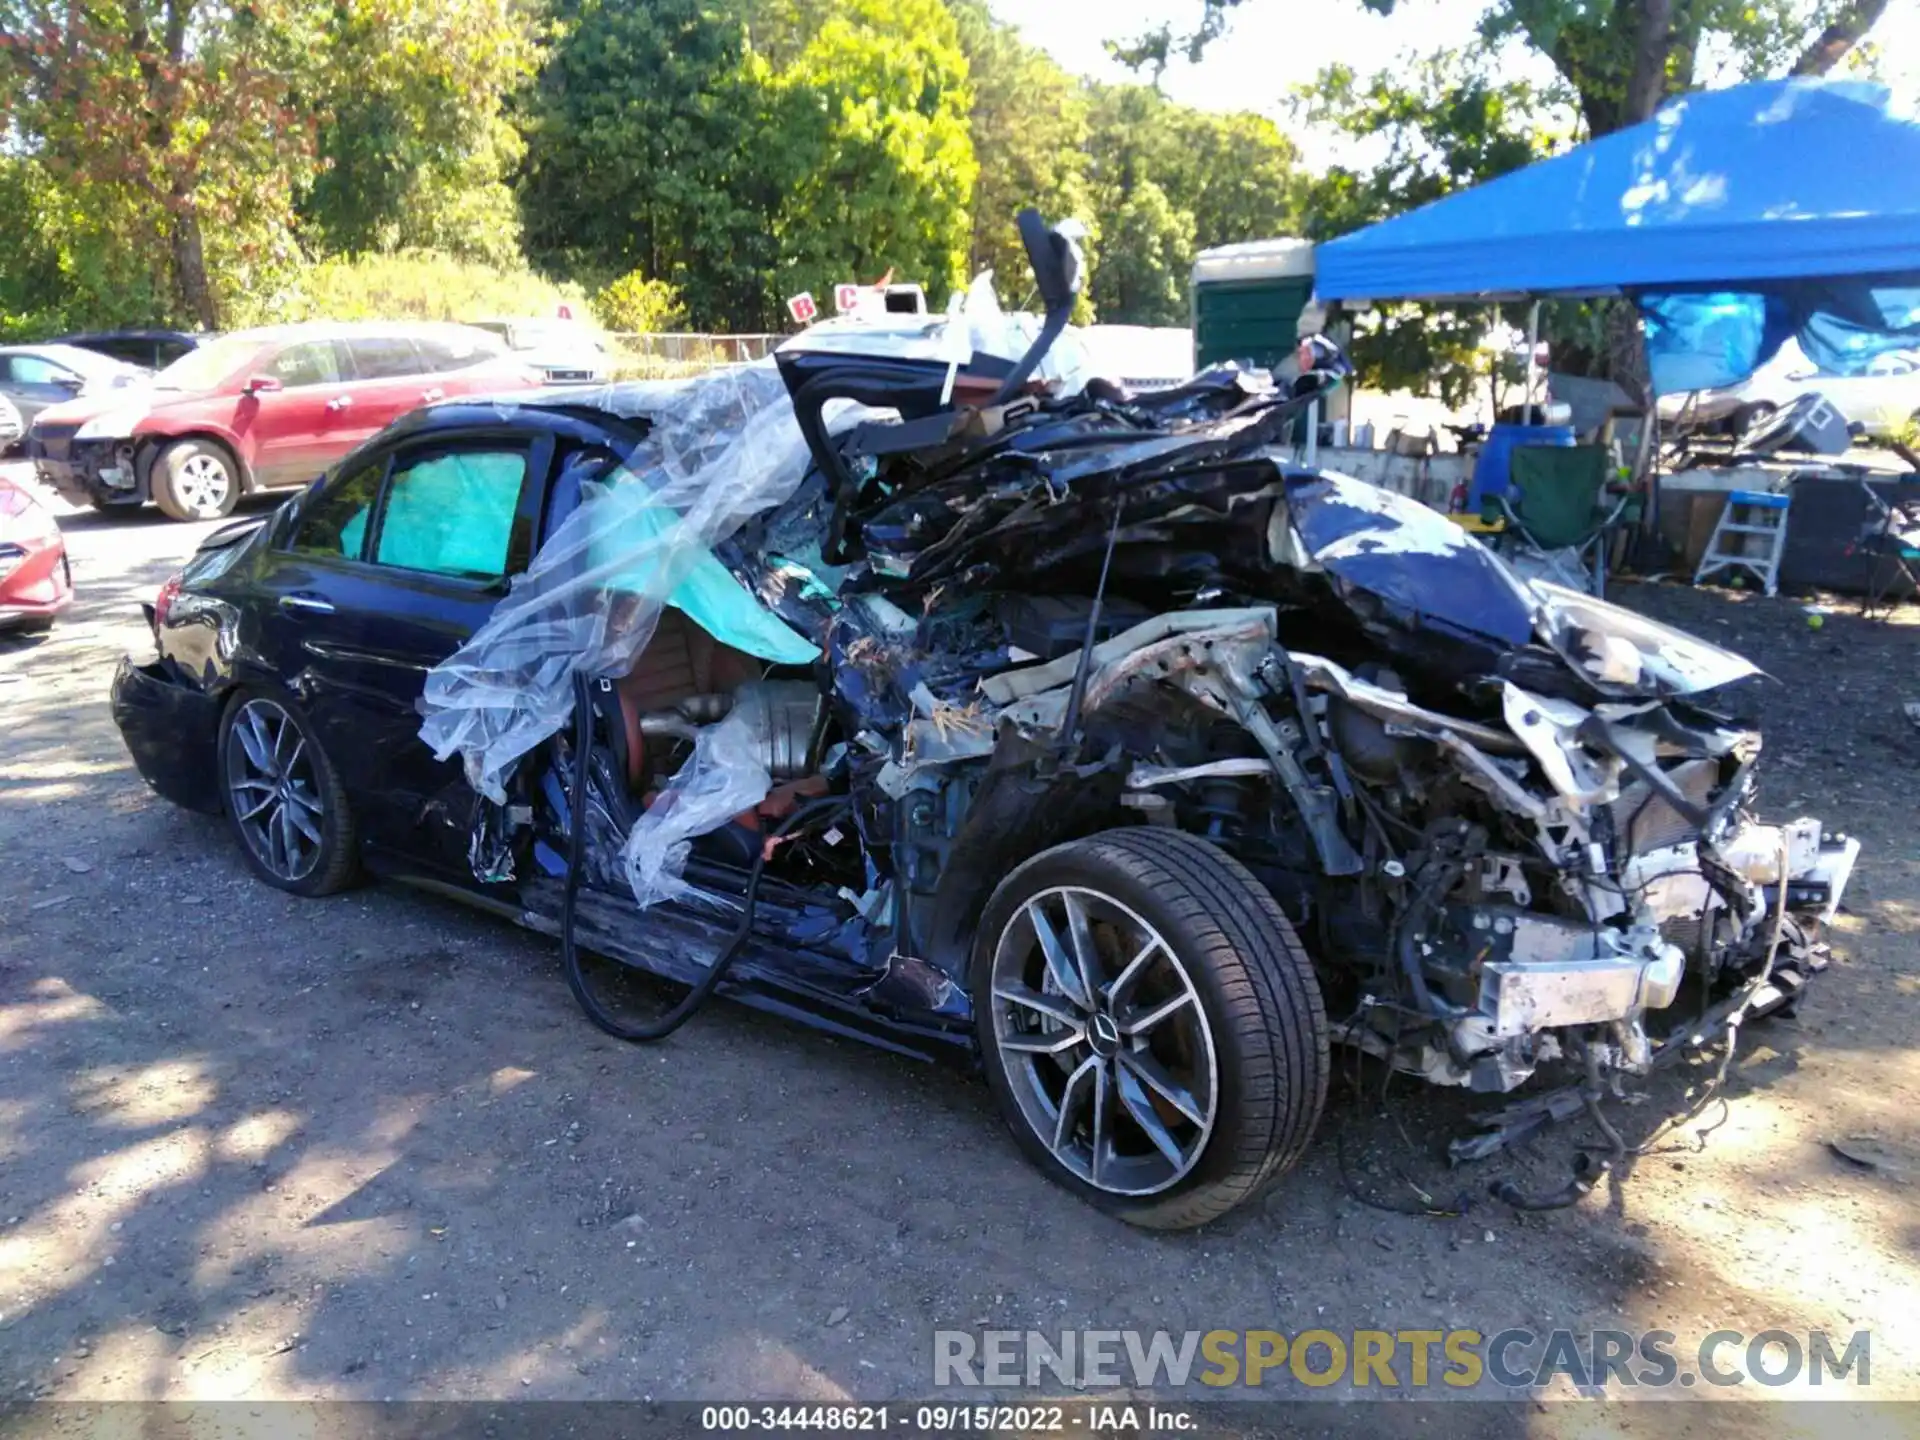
(169, 126)
(1238, 176)
(1146, 260)
(640, 154)
(745, 150)
(868, 105)
(1449, 122)
(68, 263)
(635, 305)
(1029, 128)
(1169, 181)
(1619, 58)
(416, 145)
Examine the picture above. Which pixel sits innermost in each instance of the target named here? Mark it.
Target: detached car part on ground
(958, 703)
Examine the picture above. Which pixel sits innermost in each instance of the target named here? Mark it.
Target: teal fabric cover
(707, 594)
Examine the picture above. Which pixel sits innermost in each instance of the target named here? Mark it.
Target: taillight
(163, 602)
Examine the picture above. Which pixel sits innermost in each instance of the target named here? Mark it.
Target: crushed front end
(1483, 895)
(1499, 813)
(86, 471)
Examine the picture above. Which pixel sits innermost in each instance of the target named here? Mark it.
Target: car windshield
(206, 367)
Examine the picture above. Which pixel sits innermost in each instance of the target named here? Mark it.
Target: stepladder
(1748, 538)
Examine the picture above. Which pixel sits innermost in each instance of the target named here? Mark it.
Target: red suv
(259, 410)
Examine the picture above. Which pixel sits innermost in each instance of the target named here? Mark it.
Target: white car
(1880, 402)
(565, 352)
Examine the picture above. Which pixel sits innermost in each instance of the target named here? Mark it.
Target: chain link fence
(670, 356)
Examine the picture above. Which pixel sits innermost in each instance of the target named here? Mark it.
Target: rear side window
(384, 357)
(335, 524)
(314, 362)
(452, 512)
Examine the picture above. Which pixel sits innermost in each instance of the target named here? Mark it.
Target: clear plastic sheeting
(726, 775)
(722, 448)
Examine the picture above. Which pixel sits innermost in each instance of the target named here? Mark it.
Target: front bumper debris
(86, 472)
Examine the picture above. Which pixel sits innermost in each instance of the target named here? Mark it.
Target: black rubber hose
(1588, 1171)
(690, 1003)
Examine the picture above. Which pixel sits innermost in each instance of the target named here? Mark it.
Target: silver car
(1880, 402)
(34, 377)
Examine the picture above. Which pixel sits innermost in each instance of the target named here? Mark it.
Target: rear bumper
(170, 729)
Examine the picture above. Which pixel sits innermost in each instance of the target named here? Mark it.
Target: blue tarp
(1735, 217)
(1782, 179)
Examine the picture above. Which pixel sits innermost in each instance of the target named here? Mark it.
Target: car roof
(179, 337)
(73, 357)
(350, 329)
(552, 413)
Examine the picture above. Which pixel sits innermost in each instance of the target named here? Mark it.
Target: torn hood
(1428, 572)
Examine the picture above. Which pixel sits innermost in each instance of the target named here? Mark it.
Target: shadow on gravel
(132, 517)
(252, 1146)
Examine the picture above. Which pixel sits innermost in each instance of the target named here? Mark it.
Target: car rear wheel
(1151, 1027)
(1749, 416)
(283, 799)
(195, 480)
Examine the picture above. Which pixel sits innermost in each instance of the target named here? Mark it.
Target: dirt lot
(367, 1147)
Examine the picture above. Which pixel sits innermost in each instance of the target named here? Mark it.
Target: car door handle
(310, 604)
(340, 402)
(429, 396)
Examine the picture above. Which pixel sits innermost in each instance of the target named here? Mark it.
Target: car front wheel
(283, 799)
(1152, 1029)
(195, 480)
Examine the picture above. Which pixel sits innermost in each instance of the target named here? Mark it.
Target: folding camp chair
(1557, 503)
(1892, 537)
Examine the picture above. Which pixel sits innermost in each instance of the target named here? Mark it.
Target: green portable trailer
(1247, 301)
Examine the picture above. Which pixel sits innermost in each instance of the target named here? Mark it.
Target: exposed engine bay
(987, 614)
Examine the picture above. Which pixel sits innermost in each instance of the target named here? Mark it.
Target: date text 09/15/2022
(952, 1419)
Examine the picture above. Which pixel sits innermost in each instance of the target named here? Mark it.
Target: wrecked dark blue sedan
(916, 685)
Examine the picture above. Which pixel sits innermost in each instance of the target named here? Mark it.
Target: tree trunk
(1848, 29)
(1652, 47)
(191, 287)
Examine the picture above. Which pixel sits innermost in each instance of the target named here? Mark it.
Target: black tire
(336, 863)
(1255, 986)
(1748, 416)
(196, 480)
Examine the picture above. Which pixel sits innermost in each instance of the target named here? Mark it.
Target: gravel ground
(258, 1147)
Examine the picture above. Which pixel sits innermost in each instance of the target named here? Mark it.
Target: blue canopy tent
(1735, 218)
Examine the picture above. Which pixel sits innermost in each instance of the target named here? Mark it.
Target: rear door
(291, 434)
(466, 364)
(390, 378)
(388, 571)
